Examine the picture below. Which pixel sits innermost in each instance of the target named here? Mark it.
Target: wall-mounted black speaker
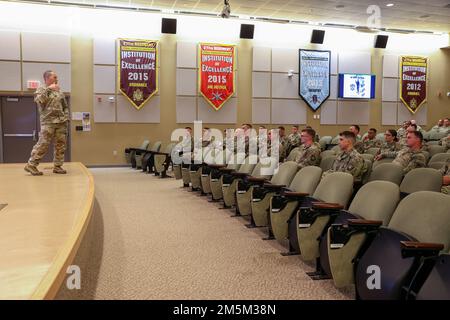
(247, 31)
(317, 36)
(381, 41)
(169, 26)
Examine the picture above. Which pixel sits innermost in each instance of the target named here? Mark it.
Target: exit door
(20, 130)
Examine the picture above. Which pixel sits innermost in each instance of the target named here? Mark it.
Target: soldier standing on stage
(54, 118)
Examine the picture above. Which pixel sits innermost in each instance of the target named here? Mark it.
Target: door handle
(18, 135)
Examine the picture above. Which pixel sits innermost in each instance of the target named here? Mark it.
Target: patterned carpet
(151, 239)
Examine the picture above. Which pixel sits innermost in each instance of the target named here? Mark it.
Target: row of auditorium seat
(345, 231)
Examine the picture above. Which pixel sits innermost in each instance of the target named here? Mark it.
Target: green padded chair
(384, 160)
(375, 201)
(283, 206)
(439, 157)
(419, 227)
(294, 152)
(327, 162)
(142, 156)
(373, 151)
(230, 180)
(162, 160)
(335, 188)
(435, 149)
(324, 141)
(262, 194)
(421, 179)
(387, 172)
(130, 153)
(244, 190)
(215, 177)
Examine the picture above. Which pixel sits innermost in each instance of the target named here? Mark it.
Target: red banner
(138, 72)
(216, 76)
(413, 81)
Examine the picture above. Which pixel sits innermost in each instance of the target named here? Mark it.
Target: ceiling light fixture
(389, 5)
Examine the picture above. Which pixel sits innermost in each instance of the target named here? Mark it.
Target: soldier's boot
(59, 170)
(33, 170)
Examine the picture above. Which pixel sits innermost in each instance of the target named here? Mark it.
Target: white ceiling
(420, 15)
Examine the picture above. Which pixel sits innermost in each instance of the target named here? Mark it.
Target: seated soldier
(390, 146)
(355, 129)
(438, 126)
(445, 142)
(283, 142)
(446, 127)
(402, 132)
(411, 128)
(293, 140)
(412, 156)
(348, 160)
(309, 154)
(418, 128)
(317, 137)
(368, 142)
(445, 170)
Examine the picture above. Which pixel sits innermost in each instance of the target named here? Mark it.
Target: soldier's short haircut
(47, 74)
(348, 135)
(188, 128)
(356, 127)
(414, 126)
(295, 126)
(373, 129)
(310, 132)
(281, 128)
(418, 134)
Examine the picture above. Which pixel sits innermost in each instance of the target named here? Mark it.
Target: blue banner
(314, 79)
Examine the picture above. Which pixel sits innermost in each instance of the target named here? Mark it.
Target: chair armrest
(340, 234)
(420, 249)
(273, 186)
(217, 166)
(291, 194)
(308, 215)
(364, 223)
(226, 170)
(239, 174)
(327, 206)
(256, 180)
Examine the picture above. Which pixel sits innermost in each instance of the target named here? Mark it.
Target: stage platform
(41, 227)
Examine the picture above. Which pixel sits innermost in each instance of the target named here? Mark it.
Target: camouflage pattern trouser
(58, 132)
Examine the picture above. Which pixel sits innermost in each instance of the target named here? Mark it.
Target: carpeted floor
(151, 239)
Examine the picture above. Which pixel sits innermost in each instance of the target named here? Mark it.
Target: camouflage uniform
(363, 146)
(293, 140)
(348, 161)
(410, 159)
(389, 149)
(445, 142)
(401, 135)
(308, 155)
(445, 171)
(54, 116)
(283, 147)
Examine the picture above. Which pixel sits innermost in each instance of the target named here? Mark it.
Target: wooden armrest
(327, 205)
(254, 179)
(226, 169)
(217, 166)
(295, 194)
(421, 245)
(363, 222)
(239, 174)
(274, 186)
